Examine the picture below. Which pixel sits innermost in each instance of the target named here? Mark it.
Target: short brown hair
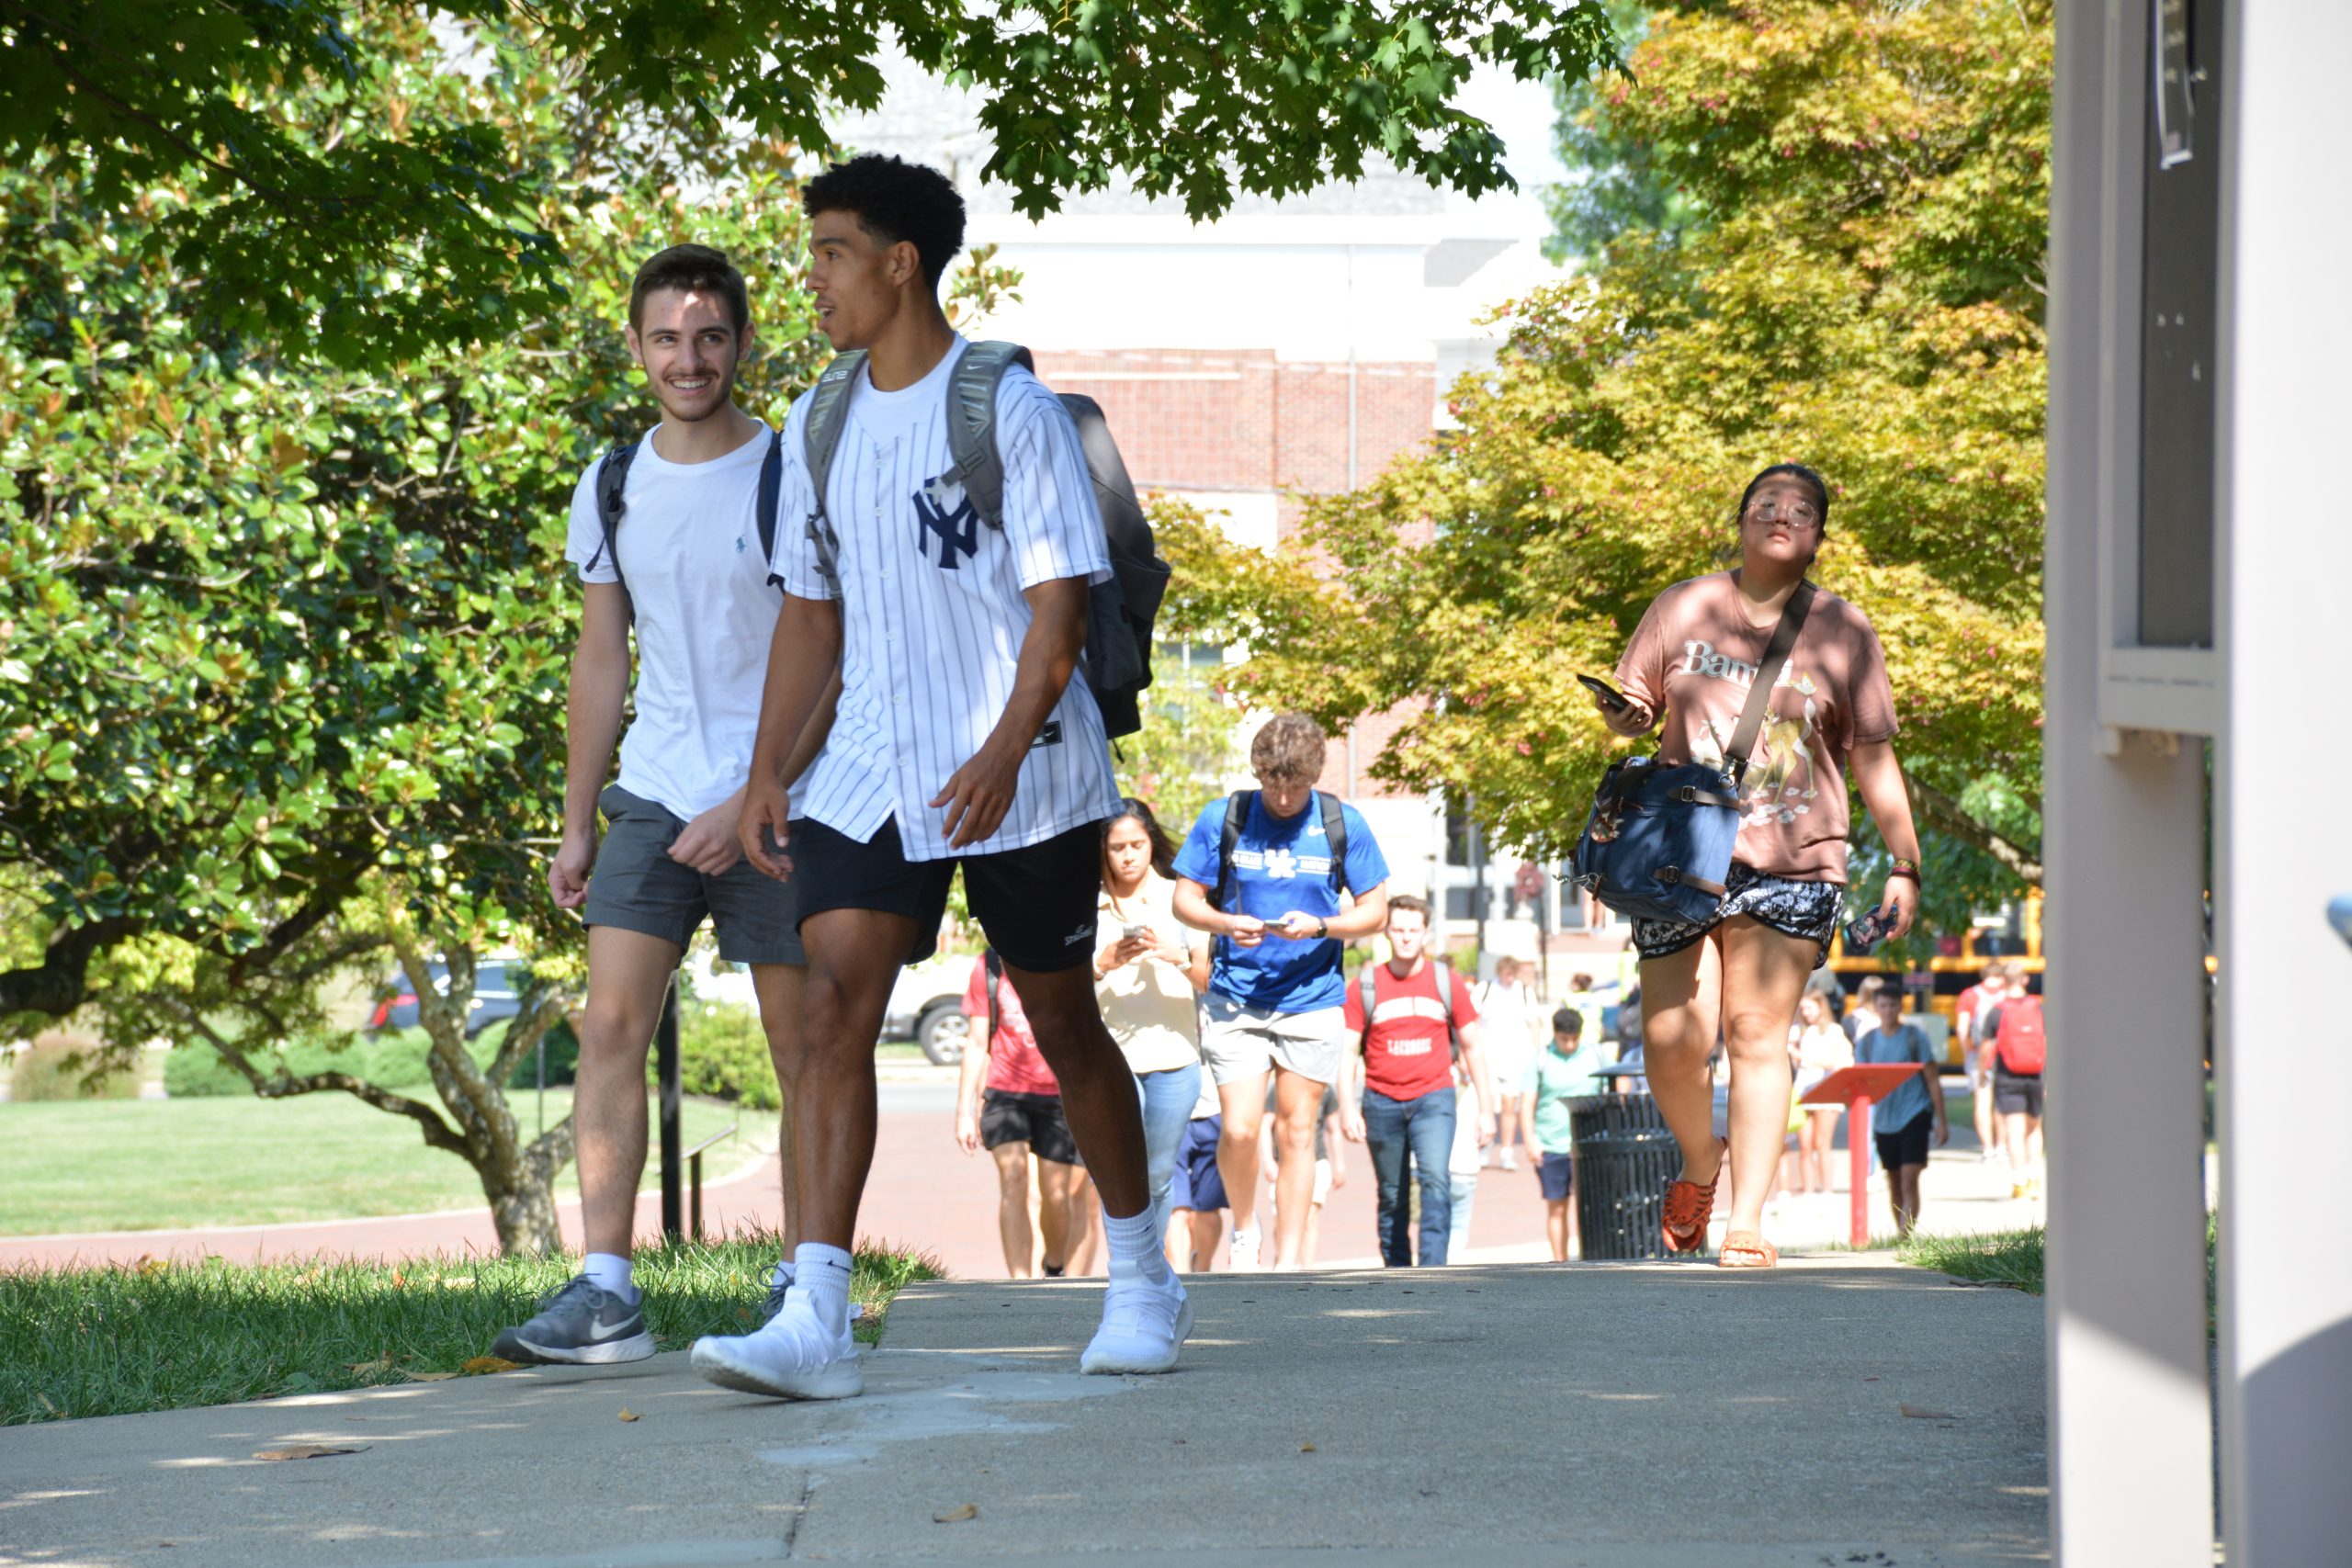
(1288, 748)
(1409, 903)
(698, 267)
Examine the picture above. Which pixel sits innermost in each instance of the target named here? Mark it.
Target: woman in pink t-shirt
(1738, 972)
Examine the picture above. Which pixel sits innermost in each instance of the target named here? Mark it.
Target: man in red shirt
(1018, 1114)
(1420, 1010)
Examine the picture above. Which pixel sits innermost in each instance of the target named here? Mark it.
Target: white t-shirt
(689, 544)
(932, 616)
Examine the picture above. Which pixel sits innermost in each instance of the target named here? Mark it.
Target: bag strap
(1767, 671)
(821, 439)
(612, 502)
(992, 968)
(770, 484)
(1335, 839)
(1445, 1000)
(1237, 811)
(971, 424)
(1368, 985)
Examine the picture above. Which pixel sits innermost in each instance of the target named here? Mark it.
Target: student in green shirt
(1564, 1071)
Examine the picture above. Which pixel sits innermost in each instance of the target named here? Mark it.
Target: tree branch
(1944, 814)
(438, 1132)
(526, 1030)
(59, 983)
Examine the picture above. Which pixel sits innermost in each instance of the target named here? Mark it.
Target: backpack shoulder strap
(972, 424)
(612, 502)
(993, 968)
(770, 485)
(1335, 838)
(1445, 1000)
(1368, 983)
(1237, 812)
(1768, 670)
(821, 439)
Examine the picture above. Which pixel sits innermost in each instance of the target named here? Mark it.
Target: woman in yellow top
(1149, 975)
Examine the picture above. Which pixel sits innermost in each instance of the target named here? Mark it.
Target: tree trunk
(525, 1217)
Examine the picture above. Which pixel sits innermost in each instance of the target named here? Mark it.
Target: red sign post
(1855, 1089)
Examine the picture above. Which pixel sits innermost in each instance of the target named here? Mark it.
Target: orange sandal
(1747, 1249)
(1688, 1208)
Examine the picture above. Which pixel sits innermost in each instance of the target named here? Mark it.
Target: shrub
(723, 1052)
(56, 1067)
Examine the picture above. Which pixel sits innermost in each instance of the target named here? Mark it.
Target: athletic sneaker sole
(1109, 1364)
(845, 1378)
(515, 1347)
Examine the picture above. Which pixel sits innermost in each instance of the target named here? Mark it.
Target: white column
(2130, 1454)
(2283, 829)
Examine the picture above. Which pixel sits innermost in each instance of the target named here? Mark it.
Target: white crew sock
(820, 1277)
(1135, 1240)
(612, 1274)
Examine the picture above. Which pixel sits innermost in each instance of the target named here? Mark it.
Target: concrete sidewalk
(1839, 1410)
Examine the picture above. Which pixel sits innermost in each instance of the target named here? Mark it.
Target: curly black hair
(894, 200)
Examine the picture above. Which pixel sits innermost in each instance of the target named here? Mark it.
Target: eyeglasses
(1795, 515)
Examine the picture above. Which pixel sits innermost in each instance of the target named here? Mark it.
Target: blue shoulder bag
(1658, 843)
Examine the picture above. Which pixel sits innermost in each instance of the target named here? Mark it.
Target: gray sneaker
(581, 1325)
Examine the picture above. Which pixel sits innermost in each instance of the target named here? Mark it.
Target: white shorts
(1238, 1041)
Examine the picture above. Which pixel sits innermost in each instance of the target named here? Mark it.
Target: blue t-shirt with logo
(1280, 865)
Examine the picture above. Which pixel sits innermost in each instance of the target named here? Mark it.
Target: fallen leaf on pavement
(307, 1451)
(627, 1414)
(957, 1516)
(1307, 1448)
(1918, 1413)
(430, 1377)
(479, 1365)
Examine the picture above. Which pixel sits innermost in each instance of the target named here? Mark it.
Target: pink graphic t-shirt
(1694, 660)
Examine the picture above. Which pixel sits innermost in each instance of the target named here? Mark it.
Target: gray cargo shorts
(635, 886)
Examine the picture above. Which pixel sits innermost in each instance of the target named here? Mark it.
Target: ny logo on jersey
(958, 530)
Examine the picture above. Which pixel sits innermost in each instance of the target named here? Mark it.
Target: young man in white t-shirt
(966, 735)
(682, 569)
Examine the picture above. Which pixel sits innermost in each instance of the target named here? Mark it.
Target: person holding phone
(1738, 972)
(1148, 976)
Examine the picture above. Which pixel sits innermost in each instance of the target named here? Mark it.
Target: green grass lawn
(1999, 1258)
(111, 1341)
(166, 1164)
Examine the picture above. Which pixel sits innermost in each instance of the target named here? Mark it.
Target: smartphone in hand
(1611, 697)
(1867, 931)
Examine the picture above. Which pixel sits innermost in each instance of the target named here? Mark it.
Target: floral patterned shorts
(1807, 910)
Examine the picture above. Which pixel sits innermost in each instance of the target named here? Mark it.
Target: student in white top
(1506, 1021)
(1148, 976)
(680, 567)
(966, 735)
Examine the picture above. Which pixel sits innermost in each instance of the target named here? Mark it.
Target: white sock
(612, 1274)
(1136, 1241)
(820, 1277)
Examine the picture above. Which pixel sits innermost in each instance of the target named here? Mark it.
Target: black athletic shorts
(2016, 1094)
(1035, 1120)
(1907, 1145)
(1035, 904)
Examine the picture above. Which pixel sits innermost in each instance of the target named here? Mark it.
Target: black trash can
(1624, 1159)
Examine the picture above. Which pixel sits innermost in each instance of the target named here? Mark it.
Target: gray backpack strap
(821, 438)
(1368, 981)
(1445, 1000)
(971, 424)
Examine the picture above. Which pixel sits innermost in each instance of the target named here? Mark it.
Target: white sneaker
(1510, 1160)
(792, 1358)
(1145, 1321)
(1243, 1257)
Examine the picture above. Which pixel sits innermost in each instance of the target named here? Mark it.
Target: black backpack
(612, 484)
(1120, 612)
(1236, 813)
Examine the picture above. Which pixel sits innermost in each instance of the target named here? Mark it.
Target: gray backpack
(1120, 612)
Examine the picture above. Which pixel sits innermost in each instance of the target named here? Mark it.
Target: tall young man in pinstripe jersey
(965, 734)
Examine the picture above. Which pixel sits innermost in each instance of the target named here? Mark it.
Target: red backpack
(2021, 1044)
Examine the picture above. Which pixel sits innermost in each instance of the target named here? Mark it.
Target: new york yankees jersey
(932, 616)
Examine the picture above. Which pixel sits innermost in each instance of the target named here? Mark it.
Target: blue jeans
(1421, 1131)
(1168, 1099)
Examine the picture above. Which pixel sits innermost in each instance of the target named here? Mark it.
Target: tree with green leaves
(406, 228)
(1863, 293)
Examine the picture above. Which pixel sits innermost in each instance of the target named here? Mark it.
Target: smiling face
(687, 342)
(1126, 855)
(860, 280)
(1782, 522)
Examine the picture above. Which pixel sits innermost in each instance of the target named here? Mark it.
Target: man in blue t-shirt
(1276, 987)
